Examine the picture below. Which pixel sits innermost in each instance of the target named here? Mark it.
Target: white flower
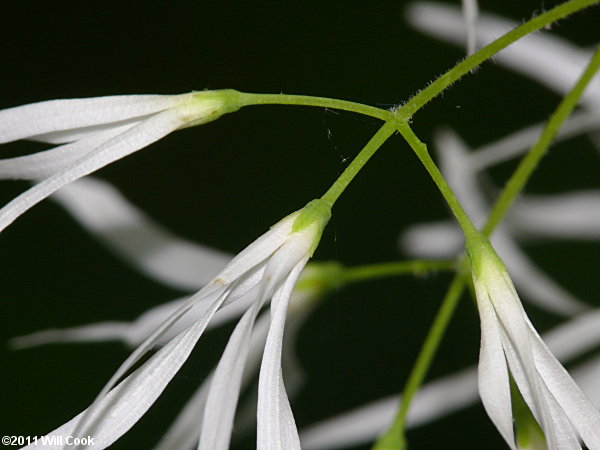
(510, 345)
(270, 267)
(92, 133)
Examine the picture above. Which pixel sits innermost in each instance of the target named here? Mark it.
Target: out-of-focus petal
(441, 239)
(571, 215)
(103, 211)
(517, 143)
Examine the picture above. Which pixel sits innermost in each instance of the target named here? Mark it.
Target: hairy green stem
(247, 99)
(528, 164)
(421, 151)
(357, 163)
(465, 66)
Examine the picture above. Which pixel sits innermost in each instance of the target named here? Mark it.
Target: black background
(225, 183)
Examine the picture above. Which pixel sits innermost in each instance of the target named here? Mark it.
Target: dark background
(225, 183)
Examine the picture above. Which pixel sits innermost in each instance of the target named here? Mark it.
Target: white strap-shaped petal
(554, 423)
(184, 433)
(235, 290)
(584, 417)
(276, 428)
(46, 163)
(259, 250)
(108, 215)
(126, 403)
(217, 422)
(93, 416)
(548, 59)
(493, 380)
(41, 118)
(570, 215)
(140, 136)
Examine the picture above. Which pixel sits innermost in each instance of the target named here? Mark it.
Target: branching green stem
(521, 175)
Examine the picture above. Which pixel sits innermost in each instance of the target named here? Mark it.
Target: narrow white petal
(41, 118)
(276, 428)
(493, 379)
(120, 146)
(225, 385)
(185, 431)
(571, 215)
(139, 352)
(584, 417)
(126, 230)
(46, 163)
(548, 59)
(259, 250)
(76, 134)
(118, 411)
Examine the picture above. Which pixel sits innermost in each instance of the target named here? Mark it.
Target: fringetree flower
(92, 133)
(270, 268)
(511, 347)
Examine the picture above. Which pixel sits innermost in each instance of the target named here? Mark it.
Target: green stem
(421, 150)
(521, 175)
(247, 99)
(468, 64)
(357, 163)
(394, 437)
(373, 271)
(331, 275)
